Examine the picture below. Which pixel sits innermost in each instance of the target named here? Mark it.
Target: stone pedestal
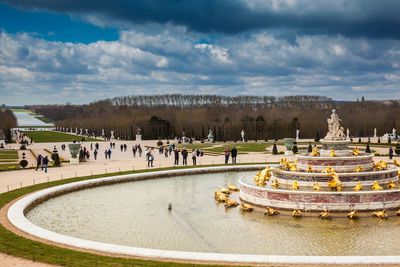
(138, 137)
(74, 161)
(289, 153)
(2, 144)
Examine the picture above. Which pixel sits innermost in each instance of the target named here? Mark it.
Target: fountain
(335, 178)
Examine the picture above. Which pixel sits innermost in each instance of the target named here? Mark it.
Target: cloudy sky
(79, 51)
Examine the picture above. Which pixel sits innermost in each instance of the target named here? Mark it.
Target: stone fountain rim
(389, 170)
(306, 156)
(17, 218)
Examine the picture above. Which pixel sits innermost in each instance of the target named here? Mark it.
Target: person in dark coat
(176, 154)
(184, 156)
(391, 152)
(234, 155)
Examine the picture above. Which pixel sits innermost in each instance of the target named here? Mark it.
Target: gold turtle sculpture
(297, 213)
(358, 169)
(221, 197)
(316, 187)
(325, 215)
(270, 211)
(246, 207)
(310, 169)
(358, 187)
(380, 214)
(396, 163)
(314, 152)
(275, 184)
(376, 186)
(224, 190)
(352, 215)
(233, 188)
(391, 185)
(230, 203)
(335, 183)
(356, 152)
(295, 185)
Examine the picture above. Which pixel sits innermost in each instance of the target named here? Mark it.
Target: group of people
(230, 152)
(42, 162)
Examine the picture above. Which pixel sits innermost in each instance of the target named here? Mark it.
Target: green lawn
(19, 110)
(16, 245)
(44, 119)
(8, 155)
(47, 136)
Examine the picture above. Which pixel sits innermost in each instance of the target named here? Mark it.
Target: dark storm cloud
(369, 18)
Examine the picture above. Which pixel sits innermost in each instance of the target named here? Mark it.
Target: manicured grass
(48, 136)
(10, 155)
(13, 244)
(44, 119)
(241, 147)
(19, 110)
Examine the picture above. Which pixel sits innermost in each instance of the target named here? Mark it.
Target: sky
(80, 51)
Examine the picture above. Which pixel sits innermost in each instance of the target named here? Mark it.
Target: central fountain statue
(331, 178)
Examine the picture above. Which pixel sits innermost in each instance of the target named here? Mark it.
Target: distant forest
(261, 117)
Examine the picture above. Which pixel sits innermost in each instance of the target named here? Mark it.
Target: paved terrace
(120, 161)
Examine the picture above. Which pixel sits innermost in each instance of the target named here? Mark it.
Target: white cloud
(172, 59)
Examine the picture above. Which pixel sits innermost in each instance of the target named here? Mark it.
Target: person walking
(139, 150)
(38, 161)
(227, 154)
(234, 155)
(150, 158)
(176, 154)
(95, 154)
(184, 156)
(105, 153)
(109, 153)
(194, 155)
(45, 163)
(391, 152)
(166, 152)
(134, 151)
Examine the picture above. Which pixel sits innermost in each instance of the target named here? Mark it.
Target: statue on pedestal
(335, 132)
(210, 136)
(138, 134)
(297, 134)
(242, 134)
(374, 132)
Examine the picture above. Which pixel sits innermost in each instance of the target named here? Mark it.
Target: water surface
(136, 214)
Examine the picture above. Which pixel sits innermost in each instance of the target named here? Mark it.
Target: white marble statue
(334, 130)
(242, 134)
(297, 134)
(375, 132)
(112, 135)
(348, 134)
(102, 132)
(394, 131)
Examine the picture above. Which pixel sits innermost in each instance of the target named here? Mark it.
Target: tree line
(7, 122)
(261, 117)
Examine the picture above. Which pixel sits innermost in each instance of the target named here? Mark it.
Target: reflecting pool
(136, 214)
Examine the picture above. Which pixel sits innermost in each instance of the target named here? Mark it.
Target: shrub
(389, 140)
(359, 139)
(274, 149)
(309, 148)
(56, 159)
(23, 163)
(379, 140)
(159, 143)
(367, 149)
(22, 147)
(294, 148)
(397, 149)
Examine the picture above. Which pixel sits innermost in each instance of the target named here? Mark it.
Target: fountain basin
(309, 200)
